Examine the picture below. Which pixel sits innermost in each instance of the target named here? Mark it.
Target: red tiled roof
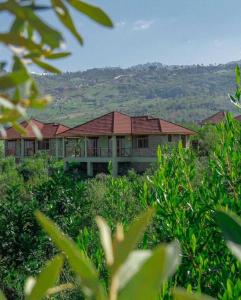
(238, 118)
(214, 119)
(118, 123)
(48, 130)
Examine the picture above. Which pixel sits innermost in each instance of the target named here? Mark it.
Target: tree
(32, 41)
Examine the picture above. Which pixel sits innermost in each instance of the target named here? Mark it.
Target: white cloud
(142, 24)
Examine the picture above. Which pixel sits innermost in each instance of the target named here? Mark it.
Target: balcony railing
(99, 152)
(107, 152)
(11, 152)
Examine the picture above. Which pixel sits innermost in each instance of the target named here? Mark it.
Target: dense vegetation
(182, 93)
(186, 185)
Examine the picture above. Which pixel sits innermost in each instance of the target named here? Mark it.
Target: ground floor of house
(115, 166)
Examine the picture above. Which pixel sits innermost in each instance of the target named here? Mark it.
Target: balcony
(107, 152)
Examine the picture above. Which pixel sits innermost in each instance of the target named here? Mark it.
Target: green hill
(178, 93)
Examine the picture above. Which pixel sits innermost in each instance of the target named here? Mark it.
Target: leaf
(10, 116)
(6, 103)
(155, 270)
(18, 65)
(20, 129)
(237, 72)
(32, 91)
(231, 227)
(93, 12)
(79, 263)
(57, 55)
(13, 79)
(41, 103)
(131, 239)
(17, 26)
(36, 131)
(65, 17)
(2, 297)
(49, 36)
(14, 39)
(46, 66)
(105, 237)
(46, 279)
(60, 288)
(181, 294)
(131, 266)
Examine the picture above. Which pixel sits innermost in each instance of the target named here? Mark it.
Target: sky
(167, 31)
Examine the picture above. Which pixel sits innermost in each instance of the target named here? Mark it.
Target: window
(169, 138)
(43, 145)
(11, 148)
(29, 147)
(93, 146)
(142, 141)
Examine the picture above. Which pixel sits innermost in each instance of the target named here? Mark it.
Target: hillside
(178, 93)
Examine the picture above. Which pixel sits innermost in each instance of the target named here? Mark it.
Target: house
(214, 119)
(25, 146)
(125, 141)
(217, 118)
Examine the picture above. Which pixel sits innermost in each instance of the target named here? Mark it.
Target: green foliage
(236, 99)
(185, 191)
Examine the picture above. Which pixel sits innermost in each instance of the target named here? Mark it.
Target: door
(120, 141)
(93, 146)
(29, 147)
(11, 148)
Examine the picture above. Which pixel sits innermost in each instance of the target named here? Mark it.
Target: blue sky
(166, 31)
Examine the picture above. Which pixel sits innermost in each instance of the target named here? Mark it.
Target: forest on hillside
(183, 94)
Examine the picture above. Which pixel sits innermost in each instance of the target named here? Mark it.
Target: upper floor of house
(19, 145)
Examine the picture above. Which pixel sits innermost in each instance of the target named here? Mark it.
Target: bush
(186, 186)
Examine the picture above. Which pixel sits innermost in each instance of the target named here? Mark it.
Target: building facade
(26, 146)
(124, 141)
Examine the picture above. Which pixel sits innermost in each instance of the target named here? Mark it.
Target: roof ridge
(71, 128)
(223, 112)
(177, 125)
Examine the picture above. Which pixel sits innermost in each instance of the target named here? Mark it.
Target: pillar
(5, 147)
(57, 148)
(22, 148)
(35, 146)
(114, 157)
(63, 147)
(86, 147)
(90, 169)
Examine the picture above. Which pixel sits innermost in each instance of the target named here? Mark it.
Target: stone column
(114, 157)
